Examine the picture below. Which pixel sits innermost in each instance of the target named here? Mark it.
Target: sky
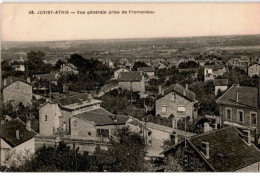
(168, 20)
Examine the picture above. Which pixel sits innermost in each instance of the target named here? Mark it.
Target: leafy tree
(138, 65)
(125, 154)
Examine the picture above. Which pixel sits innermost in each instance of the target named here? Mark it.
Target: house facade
(54, 116)
(177, 101)
(116, 73)
(213, 71)
(17, 142)
(132, 81)
(97, 124)
(253, 69)
(149, 71)
(240, 106)
(69, 68)
(17, 91)
(220, 85)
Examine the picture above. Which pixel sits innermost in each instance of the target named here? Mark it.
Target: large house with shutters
(253, 69)
(177, 101)
(239, 106)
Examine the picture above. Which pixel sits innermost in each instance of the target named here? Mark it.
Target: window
(164, 109)
(75, 123)
(103, 133)
(240, 116)
(89, 133)
(181, 109)
(173, 97)
(253, 118)
(46, 117)
(6, 154)
(228, 113)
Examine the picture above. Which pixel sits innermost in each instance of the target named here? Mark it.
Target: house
(149, 71)
(17, 91)
(223, 150)
(133, 81)
(51, 77)
(117, 72)
(239, 106)
(69, 69)
(177, 101)
(97, 124)
(19, 67)
(253, 69)
(220, 84)
(54, 115)
(17, 142)
(213, 71)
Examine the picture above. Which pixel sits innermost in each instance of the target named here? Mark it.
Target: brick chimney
(28, 125)
(159, 89)
(5, 82)
(187, 86)
(205, 149)
(17, 134)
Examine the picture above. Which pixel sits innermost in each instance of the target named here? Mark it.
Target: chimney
(162, 92)
(187, 86)
(28, 80)
(206, 127)
(237, 96)
(176, 139)
(184, 92)
(159, 89)
(80, 101)
(247, 137)
(205, 149)
(28, 125)
(4, 82)
(17, 133)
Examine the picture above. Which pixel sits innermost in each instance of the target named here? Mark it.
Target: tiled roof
(130, 76)
(72, 99)
(247, 97)
(12, 79)
(101, 117)
(221, 82)
(180, 90)
(227, 150)
(146, 69)
(8, 132)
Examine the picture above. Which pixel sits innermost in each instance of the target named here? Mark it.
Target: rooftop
(221, 82)
(180, 90)
(130, 76)
(247, 97)
(12, 79)
(8, 132)
(101, 117)
(226, 142)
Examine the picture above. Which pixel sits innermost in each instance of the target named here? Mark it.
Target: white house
(119, 71)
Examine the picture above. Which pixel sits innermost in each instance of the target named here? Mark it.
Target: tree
(138, 65)
(125, 154)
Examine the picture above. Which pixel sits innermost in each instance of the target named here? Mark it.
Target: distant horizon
(132, 38)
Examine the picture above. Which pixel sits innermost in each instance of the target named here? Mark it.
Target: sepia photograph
(130, 87)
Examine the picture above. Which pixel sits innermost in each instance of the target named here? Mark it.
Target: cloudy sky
(169, 20)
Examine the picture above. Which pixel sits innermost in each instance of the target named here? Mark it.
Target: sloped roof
(146, 69)
(8, 132)
(101, 117)
(254, 64)
(71, 66)
(12, 79)
(221, 82)
(130, 76)
(247, 97)
(227, 142)
(191, 96)
(72, 99)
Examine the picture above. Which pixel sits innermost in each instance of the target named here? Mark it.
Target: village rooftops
(181, 91)
(146, 69)
(9, 129)
(221, 82)
(227, 150)
(133, 76)
(101, 117)
(241, 96)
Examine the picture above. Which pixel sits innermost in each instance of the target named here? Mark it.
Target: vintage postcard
(156, 87)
